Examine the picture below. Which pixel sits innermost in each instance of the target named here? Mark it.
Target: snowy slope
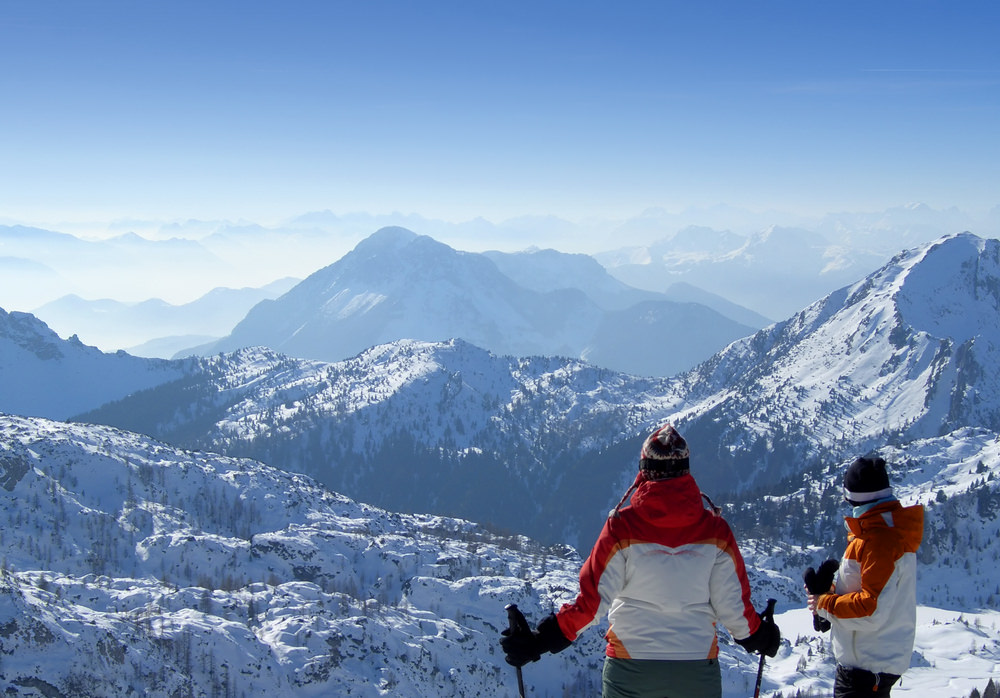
(44, 375)
(909, 352)
(130, 567)
(954, 653)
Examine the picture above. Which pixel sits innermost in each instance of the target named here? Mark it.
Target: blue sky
(176, 110)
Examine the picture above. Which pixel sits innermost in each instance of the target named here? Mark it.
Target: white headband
(863, 497)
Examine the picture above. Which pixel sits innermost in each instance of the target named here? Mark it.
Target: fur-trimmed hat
(865, 481)
(664, 454)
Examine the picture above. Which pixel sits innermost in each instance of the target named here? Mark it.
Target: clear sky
(178, 109)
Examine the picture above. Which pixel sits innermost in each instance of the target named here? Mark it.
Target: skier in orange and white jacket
(665, 569)
(872, 604)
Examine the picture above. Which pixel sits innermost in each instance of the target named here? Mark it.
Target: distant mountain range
(400, 285)
(775, 272)
(155, 328)
(94, 268)
(549, 270)
(455, 429)
(726, 254)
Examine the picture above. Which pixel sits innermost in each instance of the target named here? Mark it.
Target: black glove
(766, 640)
(819, 582)
(519, 648)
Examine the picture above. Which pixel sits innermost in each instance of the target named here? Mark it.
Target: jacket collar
(907, 522)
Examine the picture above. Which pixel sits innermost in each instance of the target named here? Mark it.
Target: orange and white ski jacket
(665, 569)
(873, 610)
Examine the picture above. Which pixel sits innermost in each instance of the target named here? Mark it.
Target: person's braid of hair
(632, 488)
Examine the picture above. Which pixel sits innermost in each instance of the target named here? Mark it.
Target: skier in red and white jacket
(665, 569)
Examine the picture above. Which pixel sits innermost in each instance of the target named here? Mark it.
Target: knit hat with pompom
(664, 454)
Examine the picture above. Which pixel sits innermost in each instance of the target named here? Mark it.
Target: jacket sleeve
(863, 609)
(729, 587)
(601, 578)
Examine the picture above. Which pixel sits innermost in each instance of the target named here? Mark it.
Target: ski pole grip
(516, 621)
(768, 613)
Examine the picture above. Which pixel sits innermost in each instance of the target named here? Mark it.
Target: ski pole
(767, 615)
(517, 625)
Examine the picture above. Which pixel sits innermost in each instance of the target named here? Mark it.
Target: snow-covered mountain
(774, 272)
(451, 427)
(133, 568)
(398, 285)
(545, 444)
(113, 325)
(870, 363)
(909, 352)
(44, 375)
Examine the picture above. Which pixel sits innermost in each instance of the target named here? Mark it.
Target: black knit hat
(865, 481)
(664, 454)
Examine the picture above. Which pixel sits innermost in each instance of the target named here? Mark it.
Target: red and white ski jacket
(873, 612)
(664, 569)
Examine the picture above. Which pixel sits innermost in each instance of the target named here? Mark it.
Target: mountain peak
(30, 334)
(394, 245)
(391, 236)
(952, 288)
